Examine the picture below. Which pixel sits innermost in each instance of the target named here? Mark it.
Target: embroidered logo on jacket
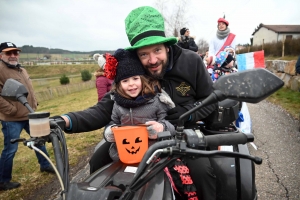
(183, 88)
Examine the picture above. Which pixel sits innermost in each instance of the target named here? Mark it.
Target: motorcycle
(218, 139)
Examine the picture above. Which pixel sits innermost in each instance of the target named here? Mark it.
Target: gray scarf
(223, 34)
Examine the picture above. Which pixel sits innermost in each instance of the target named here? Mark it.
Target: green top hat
(144, 27)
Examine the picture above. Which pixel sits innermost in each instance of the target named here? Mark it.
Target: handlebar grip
(57, 121)
(17, 140)
(257, 160)
(226, 139)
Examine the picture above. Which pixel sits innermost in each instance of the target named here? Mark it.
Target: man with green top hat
(181, 73)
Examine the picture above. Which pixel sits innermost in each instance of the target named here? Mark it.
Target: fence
(51, 93)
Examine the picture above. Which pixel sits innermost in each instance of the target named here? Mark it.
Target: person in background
(224, 64)
(103, 83)
(223, 38)
(185, 41)
(13, 115)
(298, 66)
(204, 57)
(163, 60)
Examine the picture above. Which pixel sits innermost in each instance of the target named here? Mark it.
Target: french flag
(250, 60)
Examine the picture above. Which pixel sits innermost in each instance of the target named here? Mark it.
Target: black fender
(247, 175)
(225, 171)
(235, 177)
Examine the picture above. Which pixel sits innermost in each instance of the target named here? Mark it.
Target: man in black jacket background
(185, 41)
(298, 66)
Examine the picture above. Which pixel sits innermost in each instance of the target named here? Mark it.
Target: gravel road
(277, 137)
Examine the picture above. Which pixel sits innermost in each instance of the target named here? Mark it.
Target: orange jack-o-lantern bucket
(132, 142)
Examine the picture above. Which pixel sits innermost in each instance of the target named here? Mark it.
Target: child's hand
(154, 128)
(108, 134)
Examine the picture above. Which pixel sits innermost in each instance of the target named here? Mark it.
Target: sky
(89, 25)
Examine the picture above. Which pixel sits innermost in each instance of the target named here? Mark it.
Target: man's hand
(154, 128)
(174, 113)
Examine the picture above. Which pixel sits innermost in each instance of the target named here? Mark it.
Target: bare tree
(202, 45)
(174, 13)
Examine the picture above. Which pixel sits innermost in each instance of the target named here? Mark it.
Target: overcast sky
(87, 25)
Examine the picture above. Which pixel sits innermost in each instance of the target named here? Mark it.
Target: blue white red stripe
(250, 60)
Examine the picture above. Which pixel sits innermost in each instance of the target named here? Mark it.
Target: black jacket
(298, 66)
(187, 43)
(186, 81)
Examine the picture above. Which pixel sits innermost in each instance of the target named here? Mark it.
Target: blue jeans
(12, 130)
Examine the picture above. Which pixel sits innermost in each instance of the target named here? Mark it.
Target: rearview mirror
(251, 86)
(13, 89)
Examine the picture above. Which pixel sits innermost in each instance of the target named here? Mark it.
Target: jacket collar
(174, 53)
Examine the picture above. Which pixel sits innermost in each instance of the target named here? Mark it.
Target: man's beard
(13, 61)
(157, 75)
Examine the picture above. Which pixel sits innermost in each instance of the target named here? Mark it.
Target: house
(274, 33)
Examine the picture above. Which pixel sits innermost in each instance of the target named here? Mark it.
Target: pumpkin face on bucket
(132, 142)
(132, 147)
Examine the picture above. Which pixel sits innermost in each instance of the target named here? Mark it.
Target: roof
(280, 28)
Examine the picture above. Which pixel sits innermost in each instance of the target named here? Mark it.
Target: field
(28, 173)
(53, 71)
(54, 57)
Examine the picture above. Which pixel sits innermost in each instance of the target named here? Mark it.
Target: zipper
(165, 83)
(27, 85)
(131, 119)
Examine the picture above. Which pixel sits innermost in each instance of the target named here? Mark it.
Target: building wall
(265, 35)
(294, 36)
(269, 36)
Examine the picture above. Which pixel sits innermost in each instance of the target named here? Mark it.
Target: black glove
(174, 113)
(57, 120)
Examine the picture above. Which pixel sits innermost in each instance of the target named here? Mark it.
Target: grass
(288, 99)
(50, 71)
(287, 58)
(26, 168)
(43, 84)
(54, 57)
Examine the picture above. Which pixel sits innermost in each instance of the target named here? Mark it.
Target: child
(103, 83)
(223, 64)
(137, 98)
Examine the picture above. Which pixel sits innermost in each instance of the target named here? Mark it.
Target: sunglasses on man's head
(9, 53)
